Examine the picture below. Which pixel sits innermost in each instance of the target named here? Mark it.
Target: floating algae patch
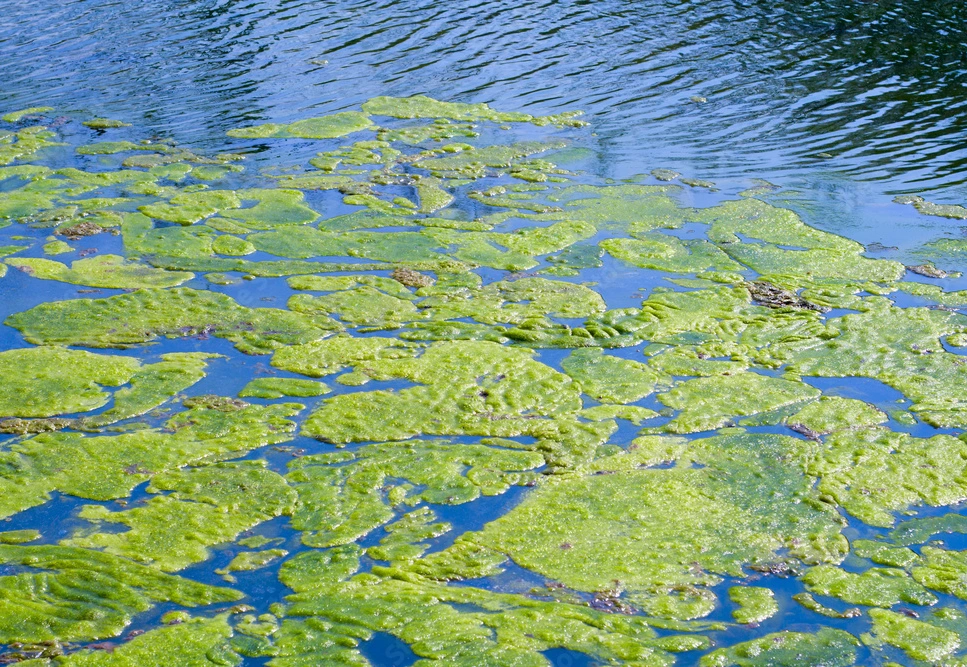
(873, 473)
(610, 379)
(71, 594)
(917, 531)
(709, 402)
(194, 641)
(47, 381)
(898, 346)
(918, 639)
(828, 647)
(279, 387)
(152, 385)
(343, 496)
(110, 271)
(109, 467)
(460, 624)
(755, 604)
(145, 315)
(420, 106)
(414, 294)
(832, 413)
(648, 528)
(206, 506)
(464, 387)
(876, 587)
(323, 127)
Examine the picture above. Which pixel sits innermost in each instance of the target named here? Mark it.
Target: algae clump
(142, 316)
(47, 381)
(102, 271)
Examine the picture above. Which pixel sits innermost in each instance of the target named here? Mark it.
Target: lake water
(840, 106)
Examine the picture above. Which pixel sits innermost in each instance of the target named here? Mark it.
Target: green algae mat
(414, 381)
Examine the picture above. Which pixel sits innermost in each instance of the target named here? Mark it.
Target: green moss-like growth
(739, 509)
(463, 387)
(878, 587)
(342, 498)
(873, 472)
(323, 127)
(70, 594)
(279, 387)
(152, 385)
(420, 106)
(942, 570)
(104, 123)
(708, 403)
(884, 554)
(610, 379)
(755, 604)
(920, 641)
(198, 641)
(902, 348)
(251, 560)
(55, 248)
(17, 116)
(828, 647)
(917, 531)
(142, 316)
(109, 467)
(207, 506)
(47, 381)
(110, 271)
(831, 413)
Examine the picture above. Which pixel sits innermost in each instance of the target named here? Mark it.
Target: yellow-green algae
(707, 403)
(107, 467)
(324, 127)
(279, 387)
(101, 271)
(460, 625)
(610, 379)
(463, 387)
(876, 587)
(920, 640)
(344, 496)
(873, 472)
(755, 604)
(828, 647)
(47, 381)
(71, 594)
(648, 527)
(206, 506)
(142, 316)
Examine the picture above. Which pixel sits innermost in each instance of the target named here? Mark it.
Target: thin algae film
(378, 387)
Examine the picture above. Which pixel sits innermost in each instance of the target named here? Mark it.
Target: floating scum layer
(442, 344)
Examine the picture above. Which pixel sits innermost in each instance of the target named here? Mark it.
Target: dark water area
(842, 105)
(835, 91)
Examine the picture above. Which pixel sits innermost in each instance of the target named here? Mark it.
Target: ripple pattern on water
(875, 90)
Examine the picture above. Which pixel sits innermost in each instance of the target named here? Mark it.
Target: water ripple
(878, 86)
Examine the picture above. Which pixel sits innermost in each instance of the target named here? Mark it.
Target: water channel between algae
(192, 471)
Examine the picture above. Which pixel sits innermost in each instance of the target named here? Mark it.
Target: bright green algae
(101, 271)
(71, 594)
(450, 404)
(142, 316)
(47, 381)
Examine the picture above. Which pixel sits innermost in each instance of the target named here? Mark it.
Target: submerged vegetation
(442, 342)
